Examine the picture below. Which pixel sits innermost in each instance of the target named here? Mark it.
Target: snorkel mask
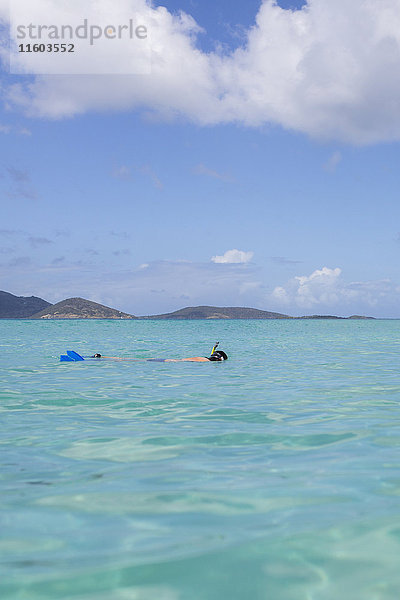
(217, 355)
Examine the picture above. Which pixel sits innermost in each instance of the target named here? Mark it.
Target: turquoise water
(273, 476)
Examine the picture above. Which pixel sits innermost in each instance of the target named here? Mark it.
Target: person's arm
(193, 359)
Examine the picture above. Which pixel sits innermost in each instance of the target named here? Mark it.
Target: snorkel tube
(217, 355)
(214, 348)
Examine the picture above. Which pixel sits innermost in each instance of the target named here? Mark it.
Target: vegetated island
(20, 307)
(79, 308)
(234, 312)
(333, 317)
(213, 312)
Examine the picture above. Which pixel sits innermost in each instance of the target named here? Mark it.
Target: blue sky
(149, 201)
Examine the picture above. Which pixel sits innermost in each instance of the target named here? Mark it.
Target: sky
(253, 161)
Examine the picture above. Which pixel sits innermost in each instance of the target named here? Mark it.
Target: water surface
(273, 476)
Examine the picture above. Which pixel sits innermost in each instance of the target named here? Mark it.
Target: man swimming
(219, 356)
(215, 356)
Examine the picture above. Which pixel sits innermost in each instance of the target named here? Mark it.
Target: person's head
(219, 355)
(97, 356)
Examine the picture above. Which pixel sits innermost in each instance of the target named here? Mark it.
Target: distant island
(78, 308)
(21, 307)
(213, 312)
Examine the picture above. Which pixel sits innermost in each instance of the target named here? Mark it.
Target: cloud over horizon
(154, 287)
(163, 286)
(326, 289)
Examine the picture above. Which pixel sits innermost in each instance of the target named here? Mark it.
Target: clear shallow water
(273, 476)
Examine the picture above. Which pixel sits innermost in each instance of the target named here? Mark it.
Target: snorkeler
(215, 356)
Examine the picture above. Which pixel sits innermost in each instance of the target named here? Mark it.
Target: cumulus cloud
(180, 78)
(329, 70)
(99, 37)
(326, 289)
(322, 287)
(233, 257)
(162, 286)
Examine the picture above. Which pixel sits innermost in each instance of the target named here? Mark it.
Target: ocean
(272, 476)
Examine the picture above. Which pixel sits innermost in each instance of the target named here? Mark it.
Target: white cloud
(281, 295)
(328, 70)
(102, 40)
(163, 286)
(325, 289)
(233, 257)
(322, 287)
(181, 75)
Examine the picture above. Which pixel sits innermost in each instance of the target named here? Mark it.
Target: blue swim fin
(74, 355)
(65, 358)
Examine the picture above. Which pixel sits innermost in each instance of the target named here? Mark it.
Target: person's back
(215, 356)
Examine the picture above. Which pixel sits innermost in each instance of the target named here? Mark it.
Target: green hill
(214, 312)
(79, 308)
(20, 307)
